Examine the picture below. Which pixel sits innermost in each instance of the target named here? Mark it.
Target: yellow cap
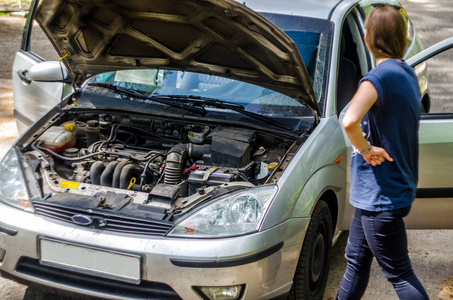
(272, 165)
(69, 126)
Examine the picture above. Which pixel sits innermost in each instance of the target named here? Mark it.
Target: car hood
(218, 37)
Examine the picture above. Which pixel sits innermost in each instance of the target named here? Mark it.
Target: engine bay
(149, 167)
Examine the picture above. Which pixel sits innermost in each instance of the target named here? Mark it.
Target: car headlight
(13, 190)
(231, 215)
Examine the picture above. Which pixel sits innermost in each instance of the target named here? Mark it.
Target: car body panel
(274, 273)
(296, 199)
(311, 8)
(435, 187)
(438, 48)
(33, 99)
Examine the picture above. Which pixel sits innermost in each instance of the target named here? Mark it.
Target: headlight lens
(12, 184)
(230, 215)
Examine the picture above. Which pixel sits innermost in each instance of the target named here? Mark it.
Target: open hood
(218, 37)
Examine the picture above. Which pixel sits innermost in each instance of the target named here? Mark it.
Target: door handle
(23, 75)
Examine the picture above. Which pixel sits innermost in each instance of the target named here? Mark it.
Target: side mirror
(49, 71)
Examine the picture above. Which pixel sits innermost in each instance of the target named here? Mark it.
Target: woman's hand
(376, 156)
(362, 101)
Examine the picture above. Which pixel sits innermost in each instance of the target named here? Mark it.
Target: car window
(40, 44)
(34, 39)
(437, 72)
(354, 61)
(412, 39)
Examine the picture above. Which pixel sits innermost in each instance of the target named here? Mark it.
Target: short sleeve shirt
(392, 123)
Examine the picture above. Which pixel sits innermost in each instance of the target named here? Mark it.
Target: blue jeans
(381, 235)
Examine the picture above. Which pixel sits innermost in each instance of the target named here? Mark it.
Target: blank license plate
(93, 261)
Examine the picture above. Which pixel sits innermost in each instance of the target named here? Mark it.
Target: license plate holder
(90, 260)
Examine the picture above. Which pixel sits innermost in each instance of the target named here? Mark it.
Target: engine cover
(232, 147)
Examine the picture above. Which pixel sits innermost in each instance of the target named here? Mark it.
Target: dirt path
(11, 29)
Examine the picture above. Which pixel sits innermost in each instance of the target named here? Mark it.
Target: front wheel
(312, 269)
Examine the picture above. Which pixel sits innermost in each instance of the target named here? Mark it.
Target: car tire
(312, 269)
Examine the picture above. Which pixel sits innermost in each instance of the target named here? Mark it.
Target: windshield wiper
(197, 103)
(134, 93)
(203, 101)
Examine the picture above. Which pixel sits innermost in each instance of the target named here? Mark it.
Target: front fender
(331, 177)
(314, 168)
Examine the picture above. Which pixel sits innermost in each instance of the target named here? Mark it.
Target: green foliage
(24, 2)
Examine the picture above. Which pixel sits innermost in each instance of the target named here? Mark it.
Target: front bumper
(263, 262)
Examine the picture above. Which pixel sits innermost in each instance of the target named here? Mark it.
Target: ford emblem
(81, 219)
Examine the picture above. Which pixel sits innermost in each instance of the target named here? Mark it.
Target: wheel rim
(318, 258)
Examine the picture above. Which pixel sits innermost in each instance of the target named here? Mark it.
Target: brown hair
(386, 33)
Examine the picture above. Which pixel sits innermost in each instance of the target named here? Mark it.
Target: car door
(433, 207)
(32, 99)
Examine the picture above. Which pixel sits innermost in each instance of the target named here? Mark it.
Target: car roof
(309, 8)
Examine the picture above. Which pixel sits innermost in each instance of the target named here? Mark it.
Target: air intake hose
(177, 159)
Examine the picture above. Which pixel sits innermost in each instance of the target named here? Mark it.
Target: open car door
(32, 99)
(433, 208)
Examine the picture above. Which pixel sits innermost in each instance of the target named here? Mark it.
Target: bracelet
(366, 150)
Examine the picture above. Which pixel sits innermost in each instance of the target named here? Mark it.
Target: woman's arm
(361, 103)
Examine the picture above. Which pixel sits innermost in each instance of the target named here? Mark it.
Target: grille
(103, 219)
(144, 290)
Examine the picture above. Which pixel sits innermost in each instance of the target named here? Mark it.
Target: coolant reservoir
(58, 138)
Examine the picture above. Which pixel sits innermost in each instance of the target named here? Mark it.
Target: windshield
(311, 39)
(154, 83)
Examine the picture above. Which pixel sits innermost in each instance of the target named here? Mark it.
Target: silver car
(198, 153)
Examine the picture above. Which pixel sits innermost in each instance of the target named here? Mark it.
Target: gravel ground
(430, 250)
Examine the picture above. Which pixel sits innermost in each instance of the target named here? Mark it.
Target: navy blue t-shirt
(392, 123)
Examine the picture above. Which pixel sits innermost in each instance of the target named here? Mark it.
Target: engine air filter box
(231, 147)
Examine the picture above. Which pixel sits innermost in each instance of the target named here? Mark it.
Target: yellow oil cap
(272, 165)
(69, 126)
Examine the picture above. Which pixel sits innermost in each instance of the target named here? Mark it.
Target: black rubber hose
(38, 146)
(107, 175)
(143, 175)
(95, 172)
(117, 174)
(128, 172)
(176, 160)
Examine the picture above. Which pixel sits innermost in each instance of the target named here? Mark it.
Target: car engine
(167, 165)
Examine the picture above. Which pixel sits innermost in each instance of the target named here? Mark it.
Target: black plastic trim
(145, 290)
(227, 262)
(8, 231)
(435, 193)
(436, 116)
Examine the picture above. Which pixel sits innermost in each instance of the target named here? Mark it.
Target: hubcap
(318, 257)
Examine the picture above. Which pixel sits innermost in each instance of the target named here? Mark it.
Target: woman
(382, 124)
